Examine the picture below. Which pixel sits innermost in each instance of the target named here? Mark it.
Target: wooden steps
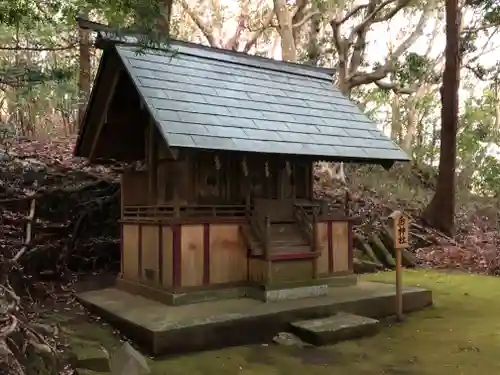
(284, 238)
(339, 327)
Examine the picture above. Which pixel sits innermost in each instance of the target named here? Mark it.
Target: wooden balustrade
(303, 220)
(314, 242)
(189, 211)
(256, 225)
(306, 218)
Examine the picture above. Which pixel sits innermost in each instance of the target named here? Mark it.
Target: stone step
(290, 249)
(284, 228)
(288, 242)
(339, 327)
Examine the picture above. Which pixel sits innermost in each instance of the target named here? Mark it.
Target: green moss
(459, 335)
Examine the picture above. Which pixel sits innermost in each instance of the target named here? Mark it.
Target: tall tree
(84, 74)
(441, 210)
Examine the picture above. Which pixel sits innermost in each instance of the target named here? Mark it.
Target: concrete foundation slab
(290, 293)
(339, 327)
(162, 329)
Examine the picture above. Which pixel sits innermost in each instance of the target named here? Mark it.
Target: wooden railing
(338, 206)
(306, 217)
(189, 211)
(260, 228)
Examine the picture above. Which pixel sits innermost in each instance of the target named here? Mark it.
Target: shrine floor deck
(160, 329)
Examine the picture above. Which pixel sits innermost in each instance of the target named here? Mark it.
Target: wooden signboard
(400, 227)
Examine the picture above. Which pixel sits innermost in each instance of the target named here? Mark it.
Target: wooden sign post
(399, 226)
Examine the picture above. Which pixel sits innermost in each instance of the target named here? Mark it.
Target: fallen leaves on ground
(76, 209)
(375, 193)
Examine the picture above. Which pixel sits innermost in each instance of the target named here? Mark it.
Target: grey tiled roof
(210, 99)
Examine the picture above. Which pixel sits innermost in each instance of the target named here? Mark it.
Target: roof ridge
(105, 39)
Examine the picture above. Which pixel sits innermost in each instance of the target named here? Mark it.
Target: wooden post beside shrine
(399, 225)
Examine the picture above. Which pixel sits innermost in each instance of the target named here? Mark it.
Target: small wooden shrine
(221, 148)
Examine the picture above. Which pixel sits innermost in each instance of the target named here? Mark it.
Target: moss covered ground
(459, 335)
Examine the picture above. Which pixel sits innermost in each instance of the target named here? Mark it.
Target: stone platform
(162, 329)
(339, 327)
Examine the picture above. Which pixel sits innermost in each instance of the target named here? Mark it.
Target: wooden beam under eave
(103, 114)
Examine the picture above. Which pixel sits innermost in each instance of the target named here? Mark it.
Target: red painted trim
(160, 253)
(176, 255)
(330, 247)
(206, 254)
(292, 256)
(139, 252)
(350, 246)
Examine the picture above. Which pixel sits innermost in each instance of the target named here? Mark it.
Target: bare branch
(396, 88)
(204, 27)
(422, 84)
(306, 18)
(353, 12)
(481, 28)
(369, 19)
(266, 22)
(360, 32)
(485, 50)
(232, 43)
(400, 4)
(359, 78)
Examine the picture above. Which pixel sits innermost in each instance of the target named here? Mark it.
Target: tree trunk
(441, 210)
(313, 49)
(166, 15)
(300, 13)
(497, 106)
(344, 86)
(411, 126)
(288, 50)
(395, 118)
(418, 157)
(84, 75)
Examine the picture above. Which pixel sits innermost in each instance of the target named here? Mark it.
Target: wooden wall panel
(228, 261)
(130, 238)
(192, 255)
(150, 248)
(257, 270)
(134, 188)
(322, 240)
(168, 257)
(340, 246)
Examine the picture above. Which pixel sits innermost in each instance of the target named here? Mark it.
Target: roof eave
(83, 123)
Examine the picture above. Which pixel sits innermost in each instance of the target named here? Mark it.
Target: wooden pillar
(122, 198)
(176, 200)
(247, 181)
(152, 162)
(183, 186)
(310, 184)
